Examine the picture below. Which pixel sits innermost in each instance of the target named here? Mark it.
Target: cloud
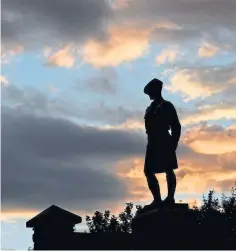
(210, 112)
(4, 80)
(45, 23)
(200, 169)
(102, 85)
(186, 81)
(185, 12)
(131, 124)
(228, 95)
(197, 174)
(104, 82)
(123, 44)
(8, 53)
(52, 159)
(202, 82)
(228, 160)
(211, 139)
(61, 58)
(208, 50)
(53, 89)
(36, 101)
(33, 100)
(167, 55)
(119, 4)
(196, 24)
(59, 153)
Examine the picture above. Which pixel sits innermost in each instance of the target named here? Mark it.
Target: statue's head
(154, 89)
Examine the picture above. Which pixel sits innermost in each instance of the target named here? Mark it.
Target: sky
(72, 103)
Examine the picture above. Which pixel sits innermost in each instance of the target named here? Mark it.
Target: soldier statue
(160, 118)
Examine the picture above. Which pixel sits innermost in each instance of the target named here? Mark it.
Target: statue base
(164, 228)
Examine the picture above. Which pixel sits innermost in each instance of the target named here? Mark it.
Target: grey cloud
(65, 139)
(47, 160)
(227, 96)
(213, 20)
(224, 99)
(115, 115)
(43, 22)
(213, 74)
(101, 85)
(163, 35)
(36, 101)
(194, 12)
(104, 82)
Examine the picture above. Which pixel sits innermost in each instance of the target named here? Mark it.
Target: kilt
(160, 157)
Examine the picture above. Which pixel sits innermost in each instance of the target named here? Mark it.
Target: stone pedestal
(53, 229)
(164, 228)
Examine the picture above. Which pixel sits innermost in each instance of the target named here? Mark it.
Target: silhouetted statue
(160, 117)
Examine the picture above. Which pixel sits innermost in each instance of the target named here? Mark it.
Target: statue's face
(155, 94)
(151, 97)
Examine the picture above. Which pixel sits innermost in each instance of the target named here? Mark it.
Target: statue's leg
(154, 186)
(171, 184)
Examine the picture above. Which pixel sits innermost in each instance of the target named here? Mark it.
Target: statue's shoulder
(168, 104)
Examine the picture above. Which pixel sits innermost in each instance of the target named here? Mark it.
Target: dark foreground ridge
(168, 228)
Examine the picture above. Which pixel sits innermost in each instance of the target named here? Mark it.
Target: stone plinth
(163, 228)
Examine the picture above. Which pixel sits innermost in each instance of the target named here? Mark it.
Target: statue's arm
(145, 121)
(175, 126)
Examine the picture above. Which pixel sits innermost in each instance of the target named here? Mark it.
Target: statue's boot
(154, 205)
(168, 202)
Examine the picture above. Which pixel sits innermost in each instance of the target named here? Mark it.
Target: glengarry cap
(155, 83)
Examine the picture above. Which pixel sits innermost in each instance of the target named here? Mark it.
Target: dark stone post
(53, 229)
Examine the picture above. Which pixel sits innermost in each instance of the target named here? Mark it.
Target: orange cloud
(202, 82)
(198, 172)
(123, 44)
(194, 176)
(11, 216)
(19, 213)
(167, 55)
(208, 50)
(188, 83)
(196, 180)
(61, 58)
(130, 124)
(210, 112)
(210, 140)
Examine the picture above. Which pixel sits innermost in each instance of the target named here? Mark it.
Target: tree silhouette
(105, 222)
